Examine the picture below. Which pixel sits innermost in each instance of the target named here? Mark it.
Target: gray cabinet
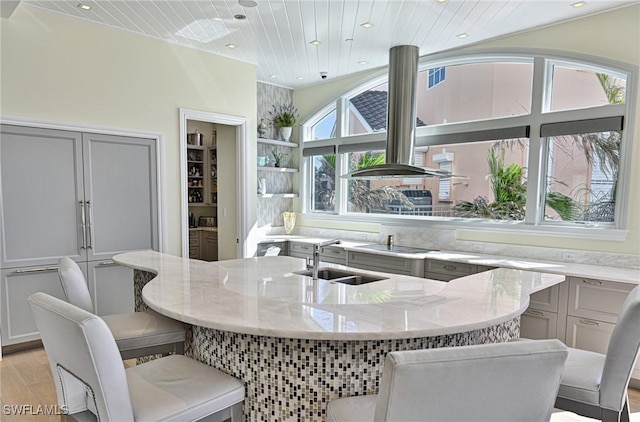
(265, 246)
(210, 244)
(446, 270)
(386, 263)
(300, 249)
(333, 254)
(18, 284)
(81, 195)
(111, 287)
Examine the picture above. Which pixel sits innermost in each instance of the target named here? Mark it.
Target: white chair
(515, 381)
(595, 385)
(138, 333)
(92, 383)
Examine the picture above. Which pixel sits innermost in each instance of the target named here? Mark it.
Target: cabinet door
(538, 325)
(385, 263)
(333, 254)
(588, 334)
(120, 189)
(41, 188)
(545, 300)
(300, 250)
(597, 299)
(211, 246)
(18, 284)
(111, 287)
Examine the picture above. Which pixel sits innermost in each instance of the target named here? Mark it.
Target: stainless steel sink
(342, 276)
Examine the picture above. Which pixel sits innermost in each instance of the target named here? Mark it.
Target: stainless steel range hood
(401, 120)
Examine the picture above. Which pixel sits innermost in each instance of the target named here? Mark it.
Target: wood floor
(25, 379)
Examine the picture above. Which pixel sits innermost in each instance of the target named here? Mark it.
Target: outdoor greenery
(284, 116)
(509, 185)
(362, 196)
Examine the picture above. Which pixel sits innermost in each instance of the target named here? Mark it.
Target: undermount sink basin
(342, 276)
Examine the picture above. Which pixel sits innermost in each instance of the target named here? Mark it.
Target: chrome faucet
(313, 266)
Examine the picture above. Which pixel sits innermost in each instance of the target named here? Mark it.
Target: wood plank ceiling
(276, 34)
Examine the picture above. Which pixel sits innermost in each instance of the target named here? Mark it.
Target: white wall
(69, 71)
(614, 35)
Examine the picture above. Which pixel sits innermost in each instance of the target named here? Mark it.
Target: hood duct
(401, 120)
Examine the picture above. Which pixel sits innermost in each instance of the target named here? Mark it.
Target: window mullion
(536, 166)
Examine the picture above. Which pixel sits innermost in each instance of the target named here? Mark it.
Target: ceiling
(276, 34)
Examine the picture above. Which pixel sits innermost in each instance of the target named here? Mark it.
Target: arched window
(535, 138)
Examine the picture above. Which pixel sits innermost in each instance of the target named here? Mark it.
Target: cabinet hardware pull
(589, 322)
(106, 263)
(450, 267)
(592, 282)
(534, 312)
(90, 245)
(84, 226)
(36, 270)
(334, 251)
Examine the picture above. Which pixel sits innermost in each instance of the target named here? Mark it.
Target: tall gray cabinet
(82, 195)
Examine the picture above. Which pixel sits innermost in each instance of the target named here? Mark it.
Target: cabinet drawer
(440, 277)
(194, 239)
(588, 334)
(597, 299)
(335, 255)
(538, 325)
(264, 247)
(300, 250)
(452, 268)
(545, 300)
(389, 264)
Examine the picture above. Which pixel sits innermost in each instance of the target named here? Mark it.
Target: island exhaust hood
(401, 121)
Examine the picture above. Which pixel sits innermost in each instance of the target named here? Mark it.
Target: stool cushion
(176, 388)
(581, 376)
(142, 329)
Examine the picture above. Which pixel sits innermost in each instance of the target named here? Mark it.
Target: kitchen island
(297, 342)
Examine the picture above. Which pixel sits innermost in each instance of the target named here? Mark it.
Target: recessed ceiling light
(366, 25)
(315, 42)
(362, 62)
(300, 78)
(231, 46)
(84, 6)
(463, 35)
(247, 3)
(442, 1)
(239, 17)
(273, 76)
(578, 4)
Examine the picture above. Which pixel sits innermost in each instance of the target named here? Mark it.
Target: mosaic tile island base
(297, 343)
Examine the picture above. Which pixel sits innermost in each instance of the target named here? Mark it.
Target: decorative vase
(262, 186)
(289, 221)
(285, 132)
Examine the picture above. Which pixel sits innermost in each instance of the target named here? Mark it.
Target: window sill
(567, 230)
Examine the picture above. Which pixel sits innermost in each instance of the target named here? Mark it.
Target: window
(325, 128)
(558, 164)
(323, 193)
(436, 75)
(368, 111)
(475, 91)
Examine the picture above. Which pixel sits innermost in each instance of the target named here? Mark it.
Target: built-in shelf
(278, 169)
(278, 195)
(279, 143)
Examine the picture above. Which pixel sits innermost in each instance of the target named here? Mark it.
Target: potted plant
(285, 117)
(277, 157)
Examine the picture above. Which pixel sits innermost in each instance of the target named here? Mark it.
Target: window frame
(543, 62)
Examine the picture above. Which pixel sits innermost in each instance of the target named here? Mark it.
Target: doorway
(213, 179)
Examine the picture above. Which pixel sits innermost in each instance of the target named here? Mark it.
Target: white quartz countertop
(611, 273)
(264, 296)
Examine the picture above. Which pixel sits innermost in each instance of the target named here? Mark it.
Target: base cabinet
(18, 284)
(588, 334)
(384, 263)
(210, 246)
(538, 325)
(111, 288)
